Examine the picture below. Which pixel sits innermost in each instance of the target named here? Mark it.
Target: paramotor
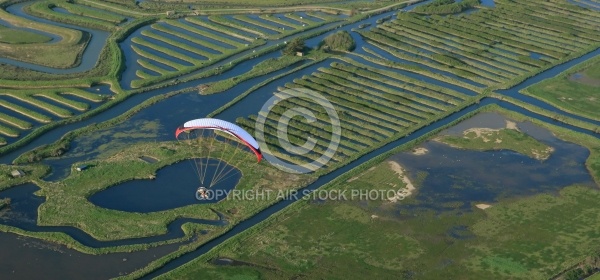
(207, 136)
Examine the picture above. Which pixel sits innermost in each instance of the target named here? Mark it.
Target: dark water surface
(469, 176)
(159, 119)
(174, 187)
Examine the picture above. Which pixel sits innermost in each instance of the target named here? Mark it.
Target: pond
(174, 186)
(470, 176)
(151, 120)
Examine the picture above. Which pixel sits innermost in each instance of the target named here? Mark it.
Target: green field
(66, 201)
(76, 14)
(184, 42)
(15, 36)
(32, 172)
(578, 96)
(534, 237)
(499, 139)
(594, 277)
(342, 240)
(62, 54)
(19, 118)
(411, 71)
(155, 38)
(373, 106)
(236, 4)
(491, 47)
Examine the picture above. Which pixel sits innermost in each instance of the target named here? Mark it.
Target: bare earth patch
(483, 206)
(511, 125)
(420, 151)
(484, 133)
(410, 188)
(544, 154)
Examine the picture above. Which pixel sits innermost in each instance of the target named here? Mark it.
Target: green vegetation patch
(490, 47)
(574, 91)
(63, 54)
(373, 108)
(66, 201)
(91, 12)
(486, 139)
(536, 237)
(76, 14)
(16, 36)
(4, 202)
(533, 238)
(594, 277)
(224, 4)
(446, 6)
(31, 173)
(263, 68)
(339, 41)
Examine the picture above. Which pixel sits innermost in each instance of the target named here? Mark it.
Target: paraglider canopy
(224, 126)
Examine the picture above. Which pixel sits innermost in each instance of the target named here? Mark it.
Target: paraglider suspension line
(221, 175)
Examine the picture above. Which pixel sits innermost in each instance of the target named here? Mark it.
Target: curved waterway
(273, 209)
(23, 214)
(209, 103)
(263, 215)
(218, 100)
(90, 55)
(53, 37)
(129, 75)
(30, 258)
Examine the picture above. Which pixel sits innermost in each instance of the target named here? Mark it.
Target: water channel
(156, 124)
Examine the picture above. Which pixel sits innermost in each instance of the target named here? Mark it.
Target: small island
(509, 138)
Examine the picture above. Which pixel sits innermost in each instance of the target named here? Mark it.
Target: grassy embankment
(75, 14)
(577, 96)
(177, 52)
(258, 86)
(263, 68)
(227, 30)
(547, 113)
(66, 201)
(367, 120)
(110, 62)
(491, 47)
(12, 125)
(32, 173)
(222, 26)
(335, 239)
(346, 7)
(17, 36)
(110, 65)
(63, 54)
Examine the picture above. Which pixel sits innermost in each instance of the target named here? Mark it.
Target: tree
(296, 45)
(340, 41)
